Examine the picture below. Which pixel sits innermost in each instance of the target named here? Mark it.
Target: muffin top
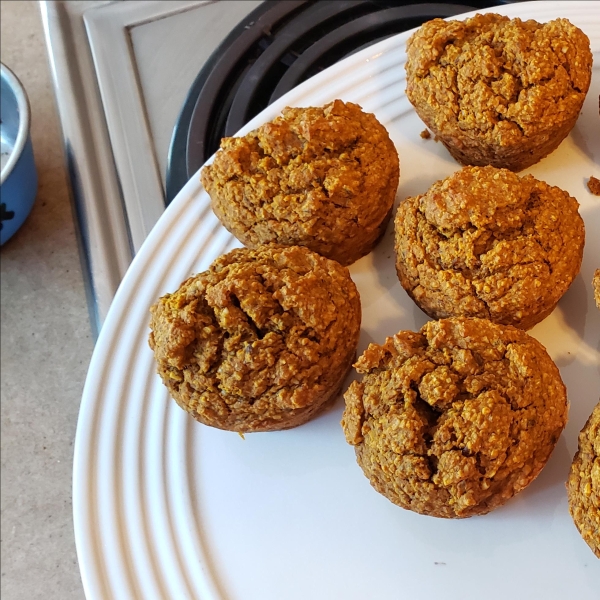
(583, 486)
(324, 178)
(454, 420)
(499, 79)
(485, 242)
(259, 336)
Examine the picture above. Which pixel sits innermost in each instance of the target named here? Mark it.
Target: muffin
(487, 243)
(261, 341)
(596, 284)
(498, 91)
(456, 419)
(325, 178)
(583, 486)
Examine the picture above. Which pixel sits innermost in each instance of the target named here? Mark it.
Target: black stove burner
(277, 46)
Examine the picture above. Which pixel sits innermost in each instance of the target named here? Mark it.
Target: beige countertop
(46, 347)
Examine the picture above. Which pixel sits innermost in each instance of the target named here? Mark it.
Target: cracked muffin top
(498, 82)
(260, 341)
(324, 178)
(487, 243)
(454, 420)
(583, 485)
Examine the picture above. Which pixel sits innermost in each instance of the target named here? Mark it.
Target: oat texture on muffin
(487, 243)
(583, 485)
(596, 285)
(456, 419)
(261, 341)
(325, 178)
(498, 91)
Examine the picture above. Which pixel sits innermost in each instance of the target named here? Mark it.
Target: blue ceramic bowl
(18, 177)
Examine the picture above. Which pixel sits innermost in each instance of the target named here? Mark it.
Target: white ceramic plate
(167, 508)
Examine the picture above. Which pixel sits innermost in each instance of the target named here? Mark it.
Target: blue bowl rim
(24, 119)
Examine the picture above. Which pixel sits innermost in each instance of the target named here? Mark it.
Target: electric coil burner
(276, 47)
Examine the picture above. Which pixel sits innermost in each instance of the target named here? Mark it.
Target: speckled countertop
(46, 347)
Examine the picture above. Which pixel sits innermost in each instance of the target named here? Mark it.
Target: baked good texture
(325, 178)
(594, 185)
(596, 285)
(487, 243)
(261, 341)
(498, 91)
(456, 419)
(583, 485)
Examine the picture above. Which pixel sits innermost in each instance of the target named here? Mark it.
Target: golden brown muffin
(324, 178)
(583, 485)
(596, 284)
(456, 419)
(261, 341)
(498, 91)
(487, 243)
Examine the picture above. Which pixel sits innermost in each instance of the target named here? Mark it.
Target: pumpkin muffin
(456, 419)
(498, 91)
(596, 285)
(487, 243)
(261, 341)
(583, 486)
(325, 178)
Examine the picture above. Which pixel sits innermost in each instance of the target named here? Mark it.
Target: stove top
(145, 91)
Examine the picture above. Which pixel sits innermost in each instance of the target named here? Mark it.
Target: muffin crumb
(425, 134)
(594, 185)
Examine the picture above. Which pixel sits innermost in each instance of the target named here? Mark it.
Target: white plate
(167, 508)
